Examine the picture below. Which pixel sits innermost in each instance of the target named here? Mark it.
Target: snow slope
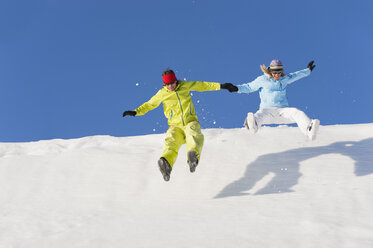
(273, 189)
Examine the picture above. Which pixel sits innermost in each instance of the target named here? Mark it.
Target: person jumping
(183, 123)
(273, 101)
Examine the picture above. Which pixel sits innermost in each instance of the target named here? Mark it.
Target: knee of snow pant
(297, 116)
(194, 137)
(262, 117)
(174, 139)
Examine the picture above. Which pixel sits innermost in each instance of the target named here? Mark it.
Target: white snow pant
(283, 116)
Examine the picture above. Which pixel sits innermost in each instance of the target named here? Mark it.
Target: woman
(273, 101)
(182, 119)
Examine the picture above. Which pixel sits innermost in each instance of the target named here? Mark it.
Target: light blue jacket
(272, 93)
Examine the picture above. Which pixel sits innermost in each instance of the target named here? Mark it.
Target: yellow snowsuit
(182, 119)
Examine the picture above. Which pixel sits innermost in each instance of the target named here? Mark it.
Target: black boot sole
(165, 169)
(192, 161)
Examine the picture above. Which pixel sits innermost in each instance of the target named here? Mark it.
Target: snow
(272, 189)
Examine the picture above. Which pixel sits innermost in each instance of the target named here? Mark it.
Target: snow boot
(192, 160)
(312, 129)
(250, 123)
(165, 168)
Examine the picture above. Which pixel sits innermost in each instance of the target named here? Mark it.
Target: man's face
(171, 86)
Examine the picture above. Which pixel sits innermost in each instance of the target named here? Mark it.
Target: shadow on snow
(284, 179)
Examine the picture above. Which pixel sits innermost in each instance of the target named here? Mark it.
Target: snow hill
(273, 189)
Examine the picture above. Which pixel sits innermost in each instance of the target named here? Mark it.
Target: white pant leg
(268, 116)
(283, 116)
(297, 116)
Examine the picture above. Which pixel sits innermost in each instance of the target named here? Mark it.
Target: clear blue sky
(69, 68)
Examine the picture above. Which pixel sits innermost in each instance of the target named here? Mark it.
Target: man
(183, 123)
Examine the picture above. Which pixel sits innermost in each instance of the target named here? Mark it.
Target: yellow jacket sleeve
(150, 105)
(202, 86)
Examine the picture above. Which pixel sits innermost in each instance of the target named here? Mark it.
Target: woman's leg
(297, 116)
(266, 116)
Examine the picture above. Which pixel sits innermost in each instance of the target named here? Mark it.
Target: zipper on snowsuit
(181, 107)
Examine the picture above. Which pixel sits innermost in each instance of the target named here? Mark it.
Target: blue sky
(69, 69)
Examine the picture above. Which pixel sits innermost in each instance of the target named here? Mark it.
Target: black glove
(129, 112)
(311, 65)
(229, 86)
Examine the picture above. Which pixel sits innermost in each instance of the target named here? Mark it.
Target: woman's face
(276, 75)
(171, 86)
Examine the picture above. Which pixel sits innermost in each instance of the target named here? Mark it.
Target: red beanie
(169, 78)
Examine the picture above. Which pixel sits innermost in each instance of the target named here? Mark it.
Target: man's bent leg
(174, 139)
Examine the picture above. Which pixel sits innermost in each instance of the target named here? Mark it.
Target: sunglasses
(276, 72)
